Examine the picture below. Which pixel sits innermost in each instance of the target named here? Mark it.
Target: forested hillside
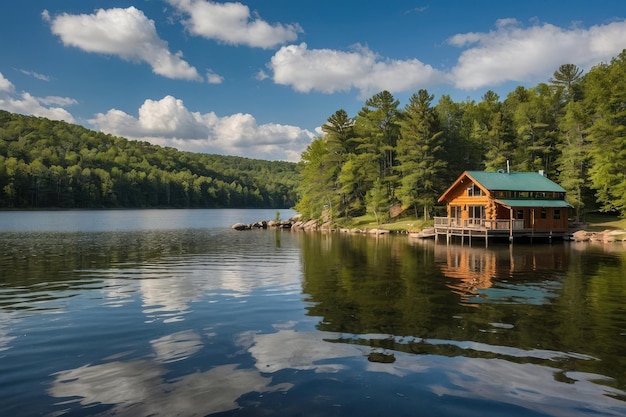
(50, 164)
(573, 127)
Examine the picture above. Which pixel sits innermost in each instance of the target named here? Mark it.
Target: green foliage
(605, 99)
(420, 154)
(46, 163)
(573, 129)
(378, 202)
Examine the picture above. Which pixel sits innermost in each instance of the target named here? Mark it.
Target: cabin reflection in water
(474, 269)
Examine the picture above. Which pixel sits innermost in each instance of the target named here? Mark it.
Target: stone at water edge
(240, 226)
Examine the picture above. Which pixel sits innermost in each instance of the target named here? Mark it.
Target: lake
(172, 313)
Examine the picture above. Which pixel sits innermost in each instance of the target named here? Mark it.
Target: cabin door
(455, 215)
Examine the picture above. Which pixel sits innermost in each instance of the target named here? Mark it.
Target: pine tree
(420, 154)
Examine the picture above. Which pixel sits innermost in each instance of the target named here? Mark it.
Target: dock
(469, 229)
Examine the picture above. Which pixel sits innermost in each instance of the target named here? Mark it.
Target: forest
(53, 164)
(573, 127)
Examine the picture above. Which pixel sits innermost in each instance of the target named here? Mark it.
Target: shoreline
(296, 224)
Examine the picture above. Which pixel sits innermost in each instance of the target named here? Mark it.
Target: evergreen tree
(574, 158)
(339, 130)
(534, 118)
(491, 130)
(316, 187)
(567, 78)
(377, 132)
(605, 99)
(457, 150)
(420, 154)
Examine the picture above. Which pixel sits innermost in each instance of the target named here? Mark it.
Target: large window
(557, 214)
(476, 212)
(474, 191)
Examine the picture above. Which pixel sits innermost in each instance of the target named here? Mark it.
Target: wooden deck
(491, 229)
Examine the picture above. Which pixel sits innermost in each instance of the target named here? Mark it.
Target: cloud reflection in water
(139, 387)
(525, 385)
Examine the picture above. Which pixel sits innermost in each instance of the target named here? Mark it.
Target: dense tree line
(573, 128)
(48, 164)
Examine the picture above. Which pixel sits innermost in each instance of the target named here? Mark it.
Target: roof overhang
(459, 180)
(531, 202)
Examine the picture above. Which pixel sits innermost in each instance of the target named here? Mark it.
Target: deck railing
(499, 224)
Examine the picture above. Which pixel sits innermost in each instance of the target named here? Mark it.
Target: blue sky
(257, 78)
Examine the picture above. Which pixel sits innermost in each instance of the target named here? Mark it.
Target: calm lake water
(172, 313)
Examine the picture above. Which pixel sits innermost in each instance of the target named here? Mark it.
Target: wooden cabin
(503, 204)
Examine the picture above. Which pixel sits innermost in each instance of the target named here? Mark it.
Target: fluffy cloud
(231, 23)
(31, 105)
(6, 86)
(213, 78)
(330, 71)
(126, 33)
(513, 52)
(168, 122)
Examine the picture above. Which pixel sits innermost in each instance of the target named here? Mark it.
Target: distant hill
(53, 164)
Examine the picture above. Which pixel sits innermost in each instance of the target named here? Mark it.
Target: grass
(598, 222)
(403, 224)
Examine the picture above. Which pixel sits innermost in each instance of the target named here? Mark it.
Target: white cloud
(6, 86)
(231, 23)
(36, 75)
(126, 33)
(419, 9)
(261, 75)
(167, 122)
(513, 52)
(329, 71)
(56, 100)
(213, 78)
(31, 105)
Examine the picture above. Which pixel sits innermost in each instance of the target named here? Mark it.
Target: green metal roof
(514, 181)
(531, 202)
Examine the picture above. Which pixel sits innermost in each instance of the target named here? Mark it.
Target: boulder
(581, 236)
(310, 225)
(296, 218)
(260, 225)
(240, 226)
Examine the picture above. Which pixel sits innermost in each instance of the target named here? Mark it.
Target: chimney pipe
(508, 168)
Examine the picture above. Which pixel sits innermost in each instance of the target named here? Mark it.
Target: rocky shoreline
(605, 236)
(295, 223)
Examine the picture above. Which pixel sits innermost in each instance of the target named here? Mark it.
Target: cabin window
(501, 194)
(557, 214)
(474, 191)
(544, 214)
(476, 212)
(520, 214)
